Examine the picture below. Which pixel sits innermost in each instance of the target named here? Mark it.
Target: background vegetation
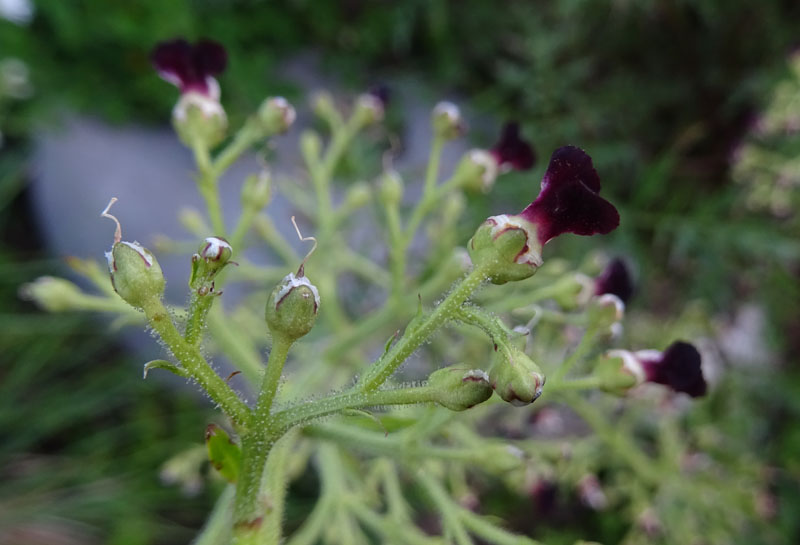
(666, 95)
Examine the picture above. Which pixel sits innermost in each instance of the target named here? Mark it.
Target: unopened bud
(276, 115)
(52, 294)
(605, 311)
(199, 118)
(477, 171)
(292, 307)
(310, 146)
(323, 105)
(390, 188)
(516, 377)
(358, 195)
(458, 388)
(369, 109)
(446, 121)
(135, 274)
(212, 256)
(504, 246)
(573, 290)
(257, 190)
(619, 371)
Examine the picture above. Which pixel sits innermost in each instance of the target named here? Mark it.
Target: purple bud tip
(189, 66)
(616, 279)
(382, 92)
(569, 201)
(678, 368)
(511, 151)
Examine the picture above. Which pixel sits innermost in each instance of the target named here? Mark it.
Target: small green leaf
(362, 412)
(223, 453)
(164, 364)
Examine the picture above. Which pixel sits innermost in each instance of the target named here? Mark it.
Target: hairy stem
(384, 367)
(193, 361)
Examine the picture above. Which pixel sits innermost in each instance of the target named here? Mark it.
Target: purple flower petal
(569, 200)
(189, 66)
(678, 368)
(616, 279)
(512, 151)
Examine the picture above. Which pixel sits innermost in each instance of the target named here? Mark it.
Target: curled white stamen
(304, 239)
(105, 214)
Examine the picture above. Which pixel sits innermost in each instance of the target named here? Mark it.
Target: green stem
(244, 138)
(198, 310)
(293, 416)
(235, 345)
(217, 528)
(257, 445)
(491, 533)
(449, 511)
(388, 364)
(432, 172)
(193, 361)
(207, 186)
(267, 230)
(624, 446)
(584, 383)
(584, 346)
(378, 443)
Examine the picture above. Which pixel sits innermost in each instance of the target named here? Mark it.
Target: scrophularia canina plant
(265, 442)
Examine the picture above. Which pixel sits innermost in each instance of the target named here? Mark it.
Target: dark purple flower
(190, 67)
(616, 279)
(569, 201)
(678, 367)
(511, 151)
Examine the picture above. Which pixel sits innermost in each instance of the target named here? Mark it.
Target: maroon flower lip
(190, 67)
(569, 201)
(679, 367)
(616, 279)
(512, 151)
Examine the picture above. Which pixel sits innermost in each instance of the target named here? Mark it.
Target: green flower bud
(390, 188)
(446, 121)
(619, 371)
(323, 105)
(310, 146)
(357, 196)
(212, 256)
(507, 247)
(199, 117)
(257, 190)
(573, 290)
(605, 311)
(292, 307)
(135, 274)
(369, 109)
(477, 171)
(458, 388)
(275, 115)
(53, 294)
(515, 377)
